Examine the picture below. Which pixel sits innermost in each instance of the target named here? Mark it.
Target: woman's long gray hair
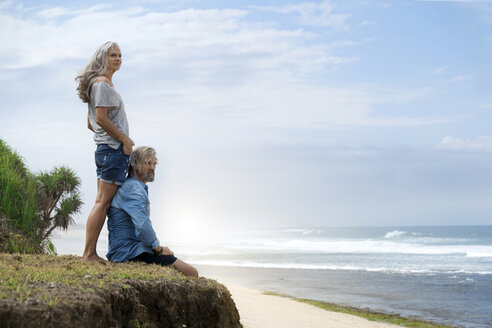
(96, 67)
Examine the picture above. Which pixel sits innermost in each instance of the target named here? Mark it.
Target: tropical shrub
(33, 205)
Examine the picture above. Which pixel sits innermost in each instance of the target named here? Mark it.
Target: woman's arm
(89, 126)
(108, 126)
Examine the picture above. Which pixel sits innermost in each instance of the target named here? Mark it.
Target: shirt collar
(133, 177)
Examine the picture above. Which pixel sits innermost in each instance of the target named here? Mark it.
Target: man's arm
(161, 250)
(134, 205)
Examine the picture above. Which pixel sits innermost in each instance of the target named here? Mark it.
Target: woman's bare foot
(93, 258)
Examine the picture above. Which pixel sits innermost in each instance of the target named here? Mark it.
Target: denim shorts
(112, 164)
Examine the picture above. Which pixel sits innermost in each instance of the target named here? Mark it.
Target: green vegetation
(33, 205)
(47, 290)
(369, 315)
(136, 324)
(39, 277)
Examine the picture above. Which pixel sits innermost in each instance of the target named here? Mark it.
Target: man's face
(147, 169)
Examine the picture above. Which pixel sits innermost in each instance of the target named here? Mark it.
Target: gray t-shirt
(104, 95)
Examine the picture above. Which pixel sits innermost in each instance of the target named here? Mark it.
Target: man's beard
(147, 177)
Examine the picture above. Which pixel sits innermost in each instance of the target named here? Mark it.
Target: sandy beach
(266, 311)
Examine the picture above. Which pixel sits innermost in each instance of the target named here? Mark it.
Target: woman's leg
(95, 221)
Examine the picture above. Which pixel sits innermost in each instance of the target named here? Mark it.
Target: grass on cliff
(369, 315)
(38, 277)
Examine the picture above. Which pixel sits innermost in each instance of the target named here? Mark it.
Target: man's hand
(160, 250)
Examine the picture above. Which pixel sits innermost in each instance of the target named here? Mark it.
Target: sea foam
(395, 233)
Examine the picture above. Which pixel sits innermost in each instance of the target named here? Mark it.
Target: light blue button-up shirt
(130, 229)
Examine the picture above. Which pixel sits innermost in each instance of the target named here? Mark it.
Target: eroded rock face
(133, 303)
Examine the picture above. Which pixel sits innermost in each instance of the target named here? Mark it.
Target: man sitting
(131, 236)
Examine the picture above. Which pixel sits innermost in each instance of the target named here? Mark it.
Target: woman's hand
(104, 122)
(127, 146)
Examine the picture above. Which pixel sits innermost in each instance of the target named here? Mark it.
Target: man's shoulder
(130, 192)
(132, 184)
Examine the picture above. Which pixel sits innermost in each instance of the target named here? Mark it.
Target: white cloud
(208, 64)
(54, 12)
(273, 102)
(313, 14)
(439, 70)
(222, 89)
(5, 4)
(460, 78)
(481, 143)
(194, 37)
(459, 1)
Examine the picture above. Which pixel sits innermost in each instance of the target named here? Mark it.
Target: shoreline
(258, 310)
(263, 309)
(341, 289)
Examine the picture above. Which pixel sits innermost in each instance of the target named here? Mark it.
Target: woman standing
(107, 119)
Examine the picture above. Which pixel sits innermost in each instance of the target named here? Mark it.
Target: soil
(166, 302)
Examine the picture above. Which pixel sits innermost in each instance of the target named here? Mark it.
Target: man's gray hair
(96, 67)
(139, 155)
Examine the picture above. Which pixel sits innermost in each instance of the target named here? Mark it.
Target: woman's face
(113, 59)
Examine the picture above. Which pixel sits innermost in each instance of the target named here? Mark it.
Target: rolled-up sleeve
(136, 206)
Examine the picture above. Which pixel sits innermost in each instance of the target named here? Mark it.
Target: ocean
(439, 274)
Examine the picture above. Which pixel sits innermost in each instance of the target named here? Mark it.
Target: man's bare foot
(93, 258)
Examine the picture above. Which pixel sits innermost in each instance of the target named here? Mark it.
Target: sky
(268, 114)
